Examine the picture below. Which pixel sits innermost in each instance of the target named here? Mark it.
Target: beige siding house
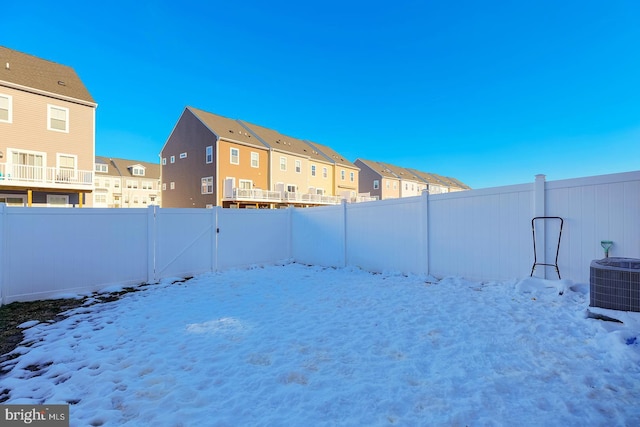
(121, 183)
(47, 133)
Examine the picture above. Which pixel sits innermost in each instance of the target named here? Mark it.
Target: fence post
(215, 230)
(151, 244)
(539, 209)
(3, 261)
(425, 229)
(344, 233)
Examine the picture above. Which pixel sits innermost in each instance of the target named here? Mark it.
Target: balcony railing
(26, 175)
(257, 196)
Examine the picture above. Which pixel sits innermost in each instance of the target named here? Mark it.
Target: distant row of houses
(47, 156)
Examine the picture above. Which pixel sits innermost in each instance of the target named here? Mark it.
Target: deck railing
(18, 175)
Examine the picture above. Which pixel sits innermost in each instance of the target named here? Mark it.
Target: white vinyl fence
(478, 234)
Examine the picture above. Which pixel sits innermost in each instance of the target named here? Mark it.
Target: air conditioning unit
(615, 284)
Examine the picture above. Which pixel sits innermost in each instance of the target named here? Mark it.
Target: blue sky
(490, 92)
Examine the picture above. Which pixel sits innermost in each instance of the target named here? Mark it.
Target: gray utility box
(615, 284)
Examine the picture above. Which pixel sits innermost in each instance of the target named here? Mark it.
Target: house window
(183, 155)
(164, 186)
(6, 110)
(164, 161)
(152, 200)
(283, 163)
(13, 199)
(298, 166)
(28, 165)
(116, 183)
(387, 184)
(58, 118)
(395, 185)
(172, 185)
(319, 191)
(100, 198)
(342, 174)
(208, 154)
(132, 184)
(107, 182)
(235, 156)
(135, 199)
(137, 171)
(255, 160)
(172, 159)
(66, 167)
(246, 184)
(291, 188)
(313, 170)
(324, 172)
(376, 184)
(207, 185)
(101, 167)
(147, 185)
(351, 176)
(57, 200)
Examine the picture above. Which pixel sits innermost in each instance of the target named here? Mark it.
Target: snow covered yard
(298, 345)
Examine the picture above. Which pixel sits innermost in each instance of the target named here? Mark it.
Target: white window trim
(164, 161)
(207, 180)
(376, 184)
(57, 205)
(283, 164)
(298, 166)
(141, 170)
(172, 185)
(14, 196)
(324, 173)
(66, 110)
(183, 155)
(173, 159)
(208, 154)
(241, 181)
(352, 176)
(100, 166)
(255, 157)
(231, 150)
(10, 108)
(75, 164)
(313, 170)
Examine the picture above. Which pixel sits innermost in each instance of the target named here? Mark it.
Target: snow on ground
(298, 345)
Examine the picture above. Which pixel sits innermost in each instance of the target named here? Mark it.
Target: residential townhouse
(47, 133)
(206, 154)
(377, 180)
(210, 160)
(122, 183)
(346, 175)
(388, 181)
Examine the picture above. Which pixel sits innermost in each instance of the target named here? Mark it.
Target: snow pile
(298, 345)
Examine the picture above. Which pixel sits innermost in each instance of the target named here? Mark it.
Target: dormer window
(101, 167)
(137, 170)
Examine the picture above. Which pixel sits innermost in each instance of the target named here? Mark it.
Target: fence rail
(479, 234)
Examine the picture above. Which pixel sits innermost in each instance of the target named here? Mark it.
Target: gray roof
(122, 167)
(226, 128)
(21, 69)
(334, 156)
(378, 167)
(281, 142)
(387, 170)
